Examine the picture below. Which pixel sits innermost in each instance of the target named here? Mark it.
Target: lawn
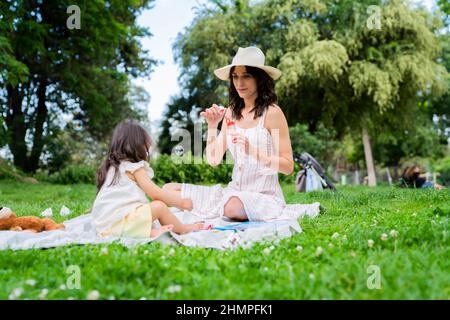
(413, 265)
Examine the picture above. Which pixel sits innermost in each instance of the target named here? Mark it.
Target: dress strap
(262, 118)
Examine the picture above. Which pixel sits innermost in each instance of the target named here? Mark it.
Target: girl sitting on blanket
(121, 207)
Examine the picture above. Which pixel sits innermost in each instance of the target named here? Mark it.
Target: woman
(411, 179)
(258, 141)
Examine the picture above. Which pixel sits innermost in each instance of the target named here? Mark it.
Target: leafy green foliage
(68, 146)
(7, 171)
(320, 145)
(336, 70)
(443, 169)
(438, 108)
(166, 170)
(85, 72)
(70, 175)
(422, 140)
(444, 6)
(11, 70)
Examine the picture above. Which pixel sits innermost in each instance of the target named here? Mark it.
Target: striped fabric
(256, 185)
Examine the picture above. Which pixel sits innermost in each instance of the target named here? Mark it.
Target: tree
(49, 69)
(439, 107)
(338, 69)
(420, 141)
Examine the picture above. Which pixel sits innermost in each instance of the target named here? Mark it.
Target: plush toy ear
(5, 213)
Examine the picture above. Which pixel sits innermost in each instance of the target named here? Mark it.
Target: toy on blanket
(242, 226)
(9, 221)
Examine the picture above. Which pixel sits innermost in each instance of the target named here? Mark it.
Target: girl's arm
(152, 190)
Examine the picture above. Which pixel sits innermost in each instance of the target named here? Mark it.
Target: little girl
(121, 208)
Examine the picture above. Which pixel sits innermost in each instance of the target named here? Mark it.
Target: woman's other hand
(243, 142)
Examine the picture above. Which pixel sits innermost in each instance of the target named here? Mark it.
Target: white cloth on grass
(80, 230)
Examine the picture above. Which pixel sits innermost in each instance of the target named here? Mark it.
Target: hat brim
(224, 72)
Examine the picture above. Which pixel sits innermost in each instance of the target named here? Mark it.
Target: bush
(7, 171)
(166, 170)
(200, 173)
(443, 169)
(321, 145)
(70, 175)
(70, 147)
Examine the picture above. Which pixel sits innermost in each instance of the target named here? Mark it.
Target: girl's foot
(157, 232)
(193, 227)
(202, 226)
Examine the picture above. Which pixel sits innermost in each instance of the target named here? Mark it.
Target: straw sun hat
(250, 56)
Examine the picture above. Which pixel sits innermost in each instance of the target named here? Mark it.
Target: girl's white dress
(114, 202)
(256, 185)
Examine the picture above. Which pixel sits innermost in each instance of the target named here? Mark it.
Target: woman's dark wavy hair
(266, 93)
(131, 142)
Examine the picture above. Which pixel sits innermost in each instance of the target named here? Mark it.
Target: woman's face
(244, 83)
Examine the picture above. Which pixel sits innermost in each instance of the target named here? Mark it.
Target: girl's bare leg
(161, 212)
(438, 186)
(156, 232)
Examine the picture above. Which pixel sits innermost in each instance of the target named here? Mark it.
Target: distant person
(411, 179)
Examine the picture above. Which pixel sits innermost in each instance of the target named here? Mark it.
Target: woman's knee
(158, 207)
(234, 208)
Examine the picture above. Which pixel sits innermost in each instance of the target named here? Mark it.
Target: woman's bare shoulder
(274, 108)
(275, 117)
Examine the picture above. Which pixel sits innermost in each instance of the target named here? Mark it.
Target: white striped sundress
(256, 185)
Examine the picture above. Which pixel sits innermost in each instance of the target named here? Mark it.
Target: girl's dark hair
(131, 142)
(266, 93)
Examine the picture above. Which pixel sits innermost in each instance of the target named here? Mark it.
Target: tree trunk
(15, 121)
(369, 158)
(38, 143)
(389, 176)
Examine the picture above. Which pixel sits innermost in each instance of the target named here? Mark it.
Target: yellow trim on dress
(137, 224)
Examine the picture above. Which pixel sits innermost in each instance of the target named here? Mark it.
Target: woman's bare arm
(216, 144)
(277, 125)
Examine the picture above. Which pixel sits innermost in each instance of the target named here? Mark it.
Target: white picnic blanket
(80, 230)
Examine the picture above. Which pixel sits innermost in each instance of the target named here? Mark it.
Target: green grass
(416, 265)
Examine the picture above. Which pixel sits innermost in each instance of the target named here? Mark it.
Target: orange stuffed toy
(9, 221)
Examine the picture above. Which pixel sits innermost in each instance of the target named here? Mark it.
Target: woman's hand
(213, 115)
(240, 139)
(256, 153)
